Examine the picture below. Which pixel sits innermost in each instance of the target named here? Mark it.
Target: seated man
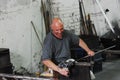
(57, 45)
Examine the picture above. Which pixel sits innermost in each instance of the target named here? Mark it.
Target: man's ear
(51, 30)
(51, 27)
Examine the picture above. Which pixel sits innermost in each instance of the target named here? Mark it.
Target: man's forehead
(56, 20)
(59, 21)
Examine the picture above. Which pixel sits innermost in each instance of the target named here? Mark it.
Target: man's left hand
(91, 53)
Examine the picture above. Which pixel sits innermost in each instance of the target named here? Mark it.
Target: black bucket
(4, 57)
(8, 69)
(5, 63)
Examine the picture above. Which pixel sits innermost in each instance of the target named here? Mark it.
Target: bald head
(57, 27)
(56, 22)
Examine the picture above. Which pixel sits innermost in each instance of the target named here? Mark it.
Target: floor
(111, 69)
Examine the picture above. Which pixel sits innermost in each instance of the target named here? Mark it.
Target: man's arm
(85, 47)
(54, 67)
(50, 64)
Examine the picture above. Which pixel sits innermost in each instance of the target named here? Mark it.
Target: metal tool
(23, 77)
(97, 52)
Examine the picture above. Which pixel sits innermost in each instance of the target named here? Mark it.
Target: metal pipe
(36, 33)
(105, 16)
(82, 19)
(23, 77)
(97, 52)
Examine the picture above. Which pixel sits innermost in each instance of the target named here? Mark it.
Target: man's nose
(59, 31)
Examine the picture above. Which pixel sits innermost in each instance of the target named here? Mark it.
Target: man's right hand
(50, 64)
(63, 71)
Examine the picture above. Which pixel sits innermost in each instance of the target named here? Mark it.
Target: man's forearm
(51, 65)
(83, 45)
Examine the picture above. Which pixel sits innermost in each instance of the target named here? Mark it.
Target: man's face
(58, 29)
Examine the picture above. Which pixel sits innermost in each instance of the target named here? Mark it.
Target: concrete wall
(17, 32)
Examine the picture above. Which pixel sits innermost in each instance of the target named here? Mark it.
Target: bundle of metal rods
(86, 27)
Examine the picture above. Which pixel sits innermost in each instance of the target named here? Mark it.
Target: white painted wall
(17, 33)
(68, 11)
(97, 17)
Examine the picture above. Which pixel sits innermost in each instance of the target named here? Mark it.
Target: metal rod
(23, 77)
(105, 16)
(36, 33)
(105, 49)
(82, 19)
(98, 52)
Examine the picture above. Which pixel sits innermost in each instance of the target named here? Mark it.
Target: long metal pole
(82, 19)
(105, 16)
(23, 77)
(36, 33)
(97, 52)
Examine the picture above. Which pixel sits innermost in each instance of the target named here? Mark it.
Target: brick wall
(68, 11)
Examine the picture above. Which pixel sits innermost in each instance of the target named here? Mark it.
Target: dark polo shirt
(58, 50)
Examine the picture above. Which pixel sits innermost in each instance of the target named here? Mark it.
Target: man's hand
(83, 45)
(91, 53)
(63, 71)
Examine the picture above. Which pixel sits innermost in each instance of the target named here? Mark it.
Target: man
(57, 45)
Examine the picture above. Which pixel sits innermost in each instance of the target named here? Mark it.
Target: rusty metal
(23, 77)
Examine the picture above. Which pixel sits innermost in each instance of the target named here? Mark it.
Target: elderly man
(57, 45)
